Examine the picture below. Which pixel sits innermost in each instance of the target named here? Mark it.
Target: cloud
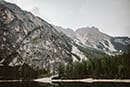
(36, 11)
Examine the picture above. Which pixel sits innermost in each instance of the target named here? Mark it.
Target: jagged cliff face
(27, 39)
(92, 37)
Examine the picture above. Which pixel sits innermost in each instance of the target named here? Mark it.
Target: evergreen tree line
(17, 72)
(107, 67)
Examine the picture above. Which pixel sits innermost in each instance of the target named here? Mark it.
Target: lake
(34, 84)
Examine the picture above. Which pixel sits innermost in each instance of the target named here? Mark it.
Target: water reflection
(34, 84)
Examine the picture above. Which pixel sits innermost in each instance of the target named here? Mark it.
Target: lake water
(34, 84)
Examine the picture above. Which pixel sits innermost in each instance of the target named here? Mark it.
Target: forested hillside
(107, 67)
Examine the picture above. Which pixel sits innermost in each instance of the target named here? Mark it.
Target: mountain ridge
(94, 38)
(28, 39)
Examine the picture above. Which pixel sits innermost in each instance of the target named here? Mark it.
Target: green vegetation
(41, 73)
(17, 72)
(107, 67)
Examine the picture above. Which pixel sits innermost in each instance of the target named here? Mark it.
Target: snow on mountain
(28, 39)
(77, 52)
(92, 37)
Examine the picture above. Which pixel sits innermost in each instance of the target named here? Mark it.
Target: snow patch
(81, 38)
(110, 46)
(76, 51)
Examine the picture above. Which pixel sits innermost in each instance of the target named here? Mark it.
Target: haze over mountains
(28, 39)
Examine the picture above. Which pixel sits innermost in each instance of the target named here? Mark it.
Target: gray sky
(110, 16)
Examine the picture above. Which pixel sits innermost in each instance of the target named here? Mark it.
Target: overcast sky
(110, 16)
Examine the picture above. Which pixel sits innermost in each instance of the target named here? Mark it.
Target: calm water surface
(34, 84)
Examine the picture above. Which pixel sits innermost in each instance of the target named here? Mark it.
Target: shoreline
(88, 80)
(95, 80)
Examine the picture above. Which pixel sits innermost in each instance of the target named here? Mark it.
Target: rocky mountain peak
(88, 29)
(92, 37)
(28, 39)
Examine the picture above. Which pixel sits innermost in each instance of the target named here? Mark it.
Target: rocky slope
(93, 38)
(28, 39)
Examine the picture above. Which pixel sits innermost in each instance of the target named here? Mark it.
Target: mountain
(28, 39)
(29, 44)
(93, 38)
(69, 32)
